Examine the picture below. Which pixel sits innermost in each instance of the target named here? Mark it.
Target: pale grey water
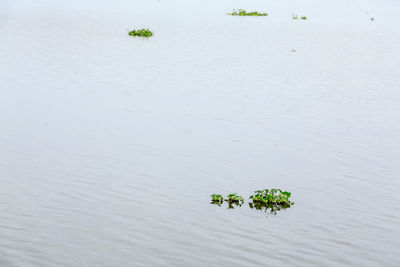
(111, 145)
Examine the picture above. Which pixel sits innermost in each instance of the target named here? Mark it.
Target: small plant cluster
(141, 33)
(232, 198)
(242, 12)
(268, 200)
(295, 16)
(217, 199)
(235, 198)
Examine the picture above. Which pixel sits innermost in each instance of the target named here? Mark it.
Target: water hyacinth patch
(217, 199)
(141, 33)
(235, 198)
(272, 200)
(274, 196)
(242, 12)
(232, 199)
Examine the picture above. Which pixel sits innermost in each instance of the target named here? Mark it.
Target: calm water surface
(111, 145)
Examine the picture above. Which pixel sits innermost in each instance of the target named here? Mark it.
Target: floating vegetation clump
(272, 200)
(217, 199)
(268, 196)
(141, 33)
(242, 12)
(295, 16)
(234, 198)
(372, 19)
(231, 199)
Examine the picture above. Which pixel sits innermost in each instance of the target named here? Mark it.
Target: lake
(111, 145)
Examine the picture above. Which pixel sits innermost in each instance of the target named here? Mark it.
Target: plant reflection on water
(271, 208)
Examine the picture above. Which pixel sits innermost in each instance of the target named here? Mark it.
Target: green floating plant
(234, 199)
(372, 19)
(272, 200)
(271, 196)
(242, 12)
(295, 16)
(217, 199)
(141, 33)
